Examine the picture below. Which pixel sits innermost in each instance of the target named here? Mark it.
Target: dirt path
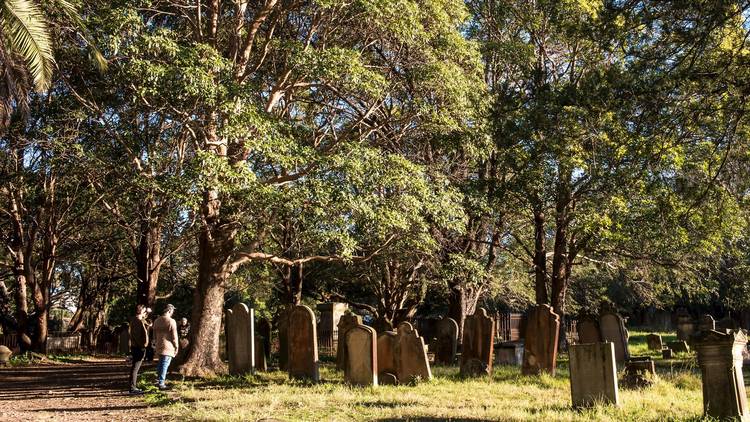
(90, 391)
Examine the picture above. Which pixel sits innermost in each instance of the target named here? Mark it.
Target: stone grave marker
(346, 323)
(640, 372)
(123, 339)
(654, 342)
(540, 347)
(284, 338)
(477, 345)
(362, 356)
(387, 365)
(613, 330)
(588, 330)
(302, 344)
(240, 340)
(261, 363)
(593, 374)
(264, 331)
(726, 323)
(685, 325)
(720, 360)
(411, 358)
(667, 353)
(509, 353)
(679, 346)
(446, 341)
(706, 323)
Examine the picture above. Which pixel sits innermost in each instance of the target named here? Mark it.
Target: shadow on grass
(431, 419)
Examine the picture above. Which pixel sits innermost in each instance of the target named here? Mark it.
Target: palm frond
(24, 22)
(71, 12)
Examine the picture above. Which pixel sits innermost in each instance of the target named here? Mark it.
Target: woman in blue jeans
(167, 343)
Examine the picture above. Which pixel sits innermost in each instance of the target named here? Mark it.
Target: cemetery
(374, 210)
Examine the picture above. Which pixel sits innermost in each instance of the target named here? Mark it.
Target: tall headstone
(654, 342)
(284, 337)
(685, 324)
(387, 362)
(303, 344)
(446, 341)
(362, 356)
(720, 360)
(706, 323)
(612, 328)
(411, 356)
(540, 348)
(346, 323)
(588, 330)
(330, 315)
(261, 363)
(240, 340)
(593, 374)
(477, 344)
(264, 332)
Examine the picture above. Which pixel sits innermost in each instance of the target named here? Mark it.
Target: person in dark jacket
(138, 343)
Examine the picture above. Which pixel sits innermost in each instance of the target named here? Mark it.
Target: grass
(507, 395)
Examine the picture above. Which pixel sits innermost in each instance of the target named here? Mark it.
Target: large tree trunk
(540, 259)
(148, 263)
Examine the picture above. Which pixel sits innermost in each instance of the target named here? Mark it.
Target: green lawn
(507, 395)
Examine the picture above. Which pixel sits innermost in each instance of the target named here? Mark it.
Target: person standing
(167, 343)
(138, 333)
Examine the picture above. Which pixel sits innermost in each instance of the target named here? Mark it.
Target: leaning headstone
(387, 365)
(654, 342)
(509, 353)
(706, 323)
(264, 331)
(477, 344)
(588, 330)
(303, 344)
(639, 372)
(362, 356)
(123, 340)
(346, 323)
(720, 360)
(679, 346)
(540, 347)
(613, 329)
(446, 341)
(411, 359)
(240, 340)
(593, 374)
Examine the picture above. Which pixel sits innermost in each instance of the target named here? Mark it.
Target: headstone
(509, 353)
(706, 323)
(303, 344)
(362, 356)
(726, 323)
(240, 340)
(640, 372)
(346, 323)
(123, 339)
(261, 363)
(593, 374)
(613, 330)
(264, 332)
(284, 338)
(330, 315)
(720, 360)
(588, 330)
(477, 344)
(685, 325)
(5, 354)
(654, 342)
(387, 345)
(679, 346)
(387, 378)
(540, 346)
(446, 341)
(667, 353)
(411, 360)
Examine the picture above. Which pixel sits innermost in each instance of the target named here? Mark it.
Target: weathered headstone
(654, 342)
(264, 332)
(303, 344)
(411, 359)
(240, 340)
(679, 346)
(720, 359)
(387, 365)
(706, 323)
(509, 353)
(284, 338)
(588, 330)
(593, 374)
(362, 356)
(667, 353)
(261, 363)
(540, 347)
(123, 340)
(613, 330)
(446, 341)
(346, 323)
(477, 344)
(640, 372)
(685, 325)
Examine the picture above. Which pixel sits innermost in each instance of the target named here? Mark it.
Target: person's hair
(169, 308)
(139, 309)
